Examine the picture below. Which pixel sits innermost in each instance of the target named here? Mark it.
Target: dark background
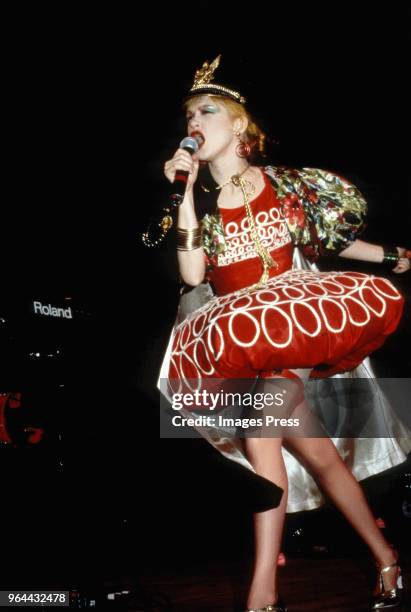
(94, 111)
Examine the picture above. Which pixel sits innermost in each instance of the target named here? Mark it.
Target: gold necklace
(266, 259)
(234, 180)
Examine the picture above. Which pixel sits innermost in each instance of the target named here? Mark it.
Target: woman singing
(267, 318)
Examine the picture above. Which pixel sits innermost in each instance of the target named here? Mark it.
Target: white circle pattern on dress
(353, 294)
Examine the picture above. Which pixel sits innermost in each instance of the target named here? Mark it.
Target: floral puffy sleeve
(324, 212)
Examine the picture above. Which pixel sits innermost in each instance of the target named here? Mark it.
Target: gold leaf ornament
(205, 74)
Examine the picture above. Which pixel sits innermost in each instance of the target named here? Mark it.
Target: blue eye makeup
(210, 108)
(207, 108)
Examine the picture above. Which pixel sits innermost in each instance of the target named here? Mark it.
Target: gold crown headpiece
(203, 83)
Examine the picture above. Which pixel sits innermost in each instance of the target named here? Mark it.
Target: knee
(321, 462)
(262, 450)
(267, 460)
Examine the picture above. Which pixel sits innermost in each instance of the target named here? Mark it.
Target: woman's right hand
(182, 160)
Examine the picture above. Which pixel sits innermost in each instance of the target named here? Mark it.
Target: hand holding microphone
(182, 169)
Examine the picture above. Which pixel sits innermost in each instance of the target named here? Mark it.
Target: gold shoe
(275, 607)
(388, 598)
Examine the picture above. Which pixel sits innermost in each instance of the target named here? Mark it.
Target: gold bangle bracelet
(188, 239)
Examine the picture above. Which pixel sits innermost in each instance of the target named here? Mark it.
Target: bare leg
(266, 457)
(322, 459)
(325, 464)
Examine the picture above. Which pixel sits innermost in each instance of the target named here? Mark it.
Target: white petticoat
(364, 456)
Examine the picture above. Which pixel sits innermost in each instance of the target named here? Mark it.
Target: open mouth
(198, 137)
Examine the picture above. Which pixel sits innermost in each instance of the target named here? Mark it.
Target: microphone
(190, 144)
(180, 181)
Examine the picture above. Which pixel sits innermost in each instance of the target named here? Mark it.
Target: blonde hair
(253, 134)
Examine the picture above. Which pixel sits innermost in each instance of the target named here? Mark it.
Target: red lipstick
(199, 137)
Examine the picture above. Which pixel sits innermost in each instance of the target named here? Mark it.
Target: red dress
(326, 321)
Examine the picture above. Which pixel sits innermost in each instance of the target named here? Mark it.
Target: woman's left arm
(365, 251)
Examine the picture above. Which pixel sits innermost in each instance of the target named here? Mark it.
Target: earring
(243, 149)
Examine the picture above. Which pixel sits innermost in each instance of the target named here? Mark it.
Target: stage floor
(307, 585)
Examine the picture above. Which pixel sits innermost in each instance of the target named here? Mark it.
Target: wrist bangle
(391, 256)
(188, 239)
